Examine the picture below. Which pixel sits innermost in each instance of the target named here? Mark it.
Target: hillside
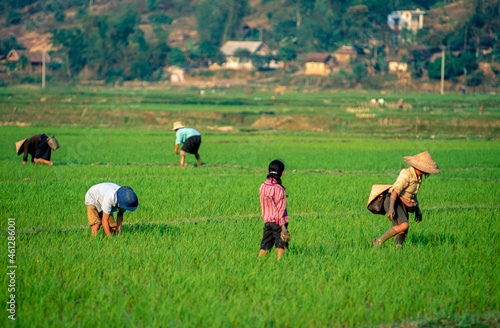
(147, 36)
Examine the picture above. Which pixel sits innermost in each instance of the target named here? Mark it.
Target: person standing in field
(273, 204)
(39, 147)
(105, 198)
(402, 197)
(191, 140)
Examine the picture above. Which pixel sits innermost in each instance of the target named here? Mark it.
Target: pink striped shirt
(273, 202)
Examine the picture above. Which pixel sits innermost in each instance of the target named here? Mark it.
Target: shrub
(160, 19)
(60, 16)
(474, 79)
(14, 17)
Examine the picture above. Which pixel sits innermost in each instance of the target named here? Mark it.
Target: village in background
(286, 44)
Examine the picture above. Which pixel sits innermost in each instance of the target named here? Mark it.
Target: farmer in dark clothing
(39, 147)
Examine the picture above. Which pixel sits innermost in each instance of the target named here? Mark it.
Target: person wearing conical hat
(402, 197)
(102, 200)
(191, 140)
(39, 147)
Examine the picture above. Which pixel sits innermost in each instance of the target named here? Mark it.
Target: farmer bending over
(402, 197)
(191, 140)
(39, 147)
(105, 198)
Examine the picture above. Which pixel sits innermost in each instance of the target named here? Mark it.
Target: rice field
(188, 255)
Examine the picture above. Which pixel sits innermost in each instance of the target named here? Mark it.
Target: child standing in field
(273, 204)
(402, 197)
(191, 140)
(105, 198)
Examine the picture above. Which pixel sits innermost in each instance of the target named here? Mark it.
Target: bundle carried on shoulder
(19, 146)
(376, 199)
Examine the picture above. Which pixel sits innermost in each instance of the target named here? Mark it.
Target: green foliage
(177, 261)
(474, 79)
(454, 66)
(160, 19)
(8, 44)
(19, 4)
(59, 16)
(287, 53)
(242, 53)
(177, 57)
(218, 21)
(72, 42)
(14, 17)
(209, 51)
(359, 71)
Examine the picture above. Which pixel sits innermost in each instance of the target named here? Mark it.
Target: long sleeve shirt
(407, 185)
(31, 146)
(183, 134)
(273, 202)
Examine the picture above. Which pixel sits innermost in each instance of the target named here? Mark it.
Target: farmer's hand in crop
(285, 235)
(24, 162)
(177, 149)
(105, 223)
(283, 231)
(418, 216)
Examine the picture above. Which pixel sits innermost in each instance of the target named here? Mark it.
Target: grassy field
(188, 255)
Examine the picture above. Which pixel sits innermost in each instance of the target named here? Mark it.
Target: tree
(287, 53)
(207, 51)
(357, 25)
(219, 20)
(72, 43)
(7, 45)
(242, 53)
(177, 57)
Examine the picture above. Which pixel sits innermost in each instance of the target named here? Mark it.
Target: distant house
(345, 55)
(35, 58)
(318, 64)
(409, 19)
(230, 48)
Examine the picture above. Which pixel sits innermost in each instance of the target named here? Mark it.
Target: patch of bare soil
(14, 123)
(450, 15)
(288, 122)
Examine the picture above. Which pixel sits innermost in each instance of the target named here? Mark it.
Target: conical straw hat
(423, 162)
(53, 144)
(376, 191)
(177, 125)
(19, 146)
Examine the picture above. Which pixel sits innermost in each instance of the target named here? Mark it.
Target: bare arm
(105, 223)
(177, 149)
(394, 196)
(119, 221)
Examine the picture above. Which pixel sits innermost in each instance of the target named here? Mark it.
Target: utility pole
(43, 68)
(442, 70)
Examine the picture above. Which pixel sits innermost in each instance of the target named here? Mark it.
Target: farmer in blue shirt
(191, 140)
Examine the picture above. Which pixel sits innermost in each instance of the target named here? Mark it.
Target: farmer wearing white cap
(105, 198)
(402, 197)
(39, 147)
(191, 140)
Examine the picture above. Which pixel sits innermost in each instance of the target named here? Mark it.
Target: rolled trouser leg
(388, 234)
(400, 217)
(400, 239)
